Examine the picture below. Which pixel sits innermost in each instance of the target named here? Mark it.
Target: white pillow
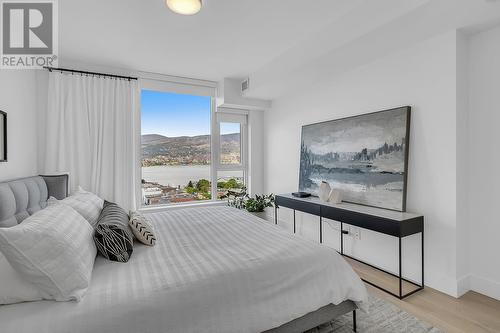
(86, 203)
(13, 287)
(54, 250)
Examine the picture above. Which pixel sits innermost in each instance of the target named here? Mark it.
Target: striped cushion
(142, 228)
(113, 238)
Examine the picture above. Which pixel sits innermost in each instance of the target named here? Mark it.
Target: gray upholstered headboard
(23, 197)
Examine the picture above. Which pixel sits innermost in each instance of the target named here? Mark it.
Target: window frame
(226, 115)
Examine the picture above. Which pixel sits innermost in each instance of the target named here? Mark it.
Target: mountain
(147, 138)
(158, 149)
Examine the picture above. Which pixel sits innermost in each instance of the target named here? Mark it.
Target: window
(176, 147)
(190, 152)
(230, 143)
(232, 134)
(229, 181)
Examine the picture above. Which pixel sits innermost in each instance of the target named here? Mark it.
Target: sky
(175, 115)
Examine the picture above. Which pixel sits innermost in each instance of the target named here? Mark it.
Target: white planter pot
(262, 215)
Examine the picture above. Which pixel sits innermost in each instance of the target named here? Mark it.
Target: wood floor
(471, 313)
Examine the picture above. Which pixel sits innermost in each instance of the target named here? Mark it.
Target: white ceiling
(280, 44)
(377, 29)
(228, 38)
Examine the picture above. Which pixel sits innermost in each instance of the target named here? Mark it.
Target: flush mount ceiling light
(184, 7)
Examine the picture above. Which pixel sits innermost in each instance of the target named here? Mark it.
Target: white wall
(256, 152)
(423, 76)
(484, 160)
(18, 99)
(463, 231)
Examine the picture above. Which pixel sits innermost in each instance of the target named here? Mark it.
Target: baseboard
(463, 285)
(478, 284)
(485, 286)
(443, 284)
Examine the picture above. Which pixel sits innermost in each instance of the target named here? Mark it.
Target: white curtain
(91, 132)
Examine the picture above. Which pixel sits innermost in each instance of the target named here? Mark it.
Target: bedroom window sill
(179, 206)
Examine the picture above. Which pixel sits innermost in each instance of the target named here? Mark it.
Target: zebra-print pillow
(113, 238)
(142, 229)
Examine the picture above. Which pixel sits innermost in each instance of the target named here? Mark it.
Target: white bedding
(213, 269)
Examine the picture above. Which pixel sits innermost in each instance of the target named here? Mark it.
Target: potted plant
(236, 198)
(257, 205)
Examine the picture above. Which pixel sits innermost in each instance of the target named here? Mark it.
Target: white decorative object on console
(324, 191)
(335, 196)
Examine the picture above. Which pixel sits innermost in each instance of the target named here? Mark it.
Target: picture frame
(363, 156)
(3, 136)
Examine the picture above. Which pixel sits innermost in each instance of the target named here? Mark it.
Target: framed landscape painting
(365, 157)
(3, 136)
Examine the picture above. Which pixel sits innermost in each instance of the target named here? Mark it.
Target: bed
(213, 269)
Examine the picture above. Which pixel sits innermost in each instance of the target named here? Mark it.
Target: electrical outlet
(356, 233)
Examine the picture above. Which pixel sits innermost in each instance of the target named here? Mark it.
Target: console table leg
(400, 273)
(422, 256)
(276, 214)
(354, 326)
(320, 229)
(294, 229)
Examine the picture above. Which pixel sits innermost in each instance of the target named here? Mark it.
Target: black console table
(387, 222)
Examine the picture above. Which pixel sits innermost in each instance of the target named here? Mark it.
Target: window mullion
(215, 151)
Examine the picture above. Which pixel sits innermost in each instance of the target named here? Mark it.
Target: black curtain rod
(50, 69)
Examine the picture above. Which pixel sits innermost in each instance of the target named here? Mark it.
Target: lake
(182, 174)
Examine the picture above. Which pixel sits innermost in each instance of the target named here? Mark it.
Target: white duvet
(213, 269)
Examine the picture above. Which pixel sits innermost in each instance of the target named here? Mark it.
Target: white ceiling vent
(245, 85)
